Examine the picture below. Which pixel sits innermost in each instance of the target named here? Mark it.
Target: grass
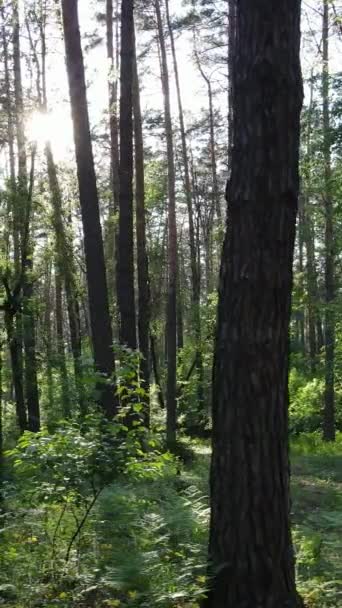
(316, 515)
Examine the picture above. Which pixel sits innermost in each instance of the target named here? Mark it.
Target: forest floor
(316, 516)
(145, 543)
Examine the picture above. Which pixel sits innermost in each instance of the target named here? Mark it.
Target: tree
(125, 272)
(195, 275)
(171, 322)
(93, 245)
(142, 258)
(329, 337)
(250, 547)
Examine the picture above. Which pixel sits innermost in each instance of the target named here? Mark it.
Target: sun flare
(53, 127)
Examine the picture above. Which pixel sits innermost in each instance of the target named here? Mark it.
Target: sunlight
(54, 127)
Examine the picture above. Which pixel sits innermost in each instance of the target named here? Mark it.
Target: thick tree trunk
(142, 259)
(125, 274)
(329, 238)
(250, 548)
(93, 244)
(171, 329)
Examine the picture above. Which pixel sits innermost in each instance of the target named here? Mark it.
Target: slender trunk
(195, 278)
(156, 372)
(24, 209)
(315, 331)
(65, 394)
(48, 342)
(171, 331)
(66, 268)
(180, 322)
(300, 236)
(216, 193)
(17, 374)
(112, 55)
(31, 377)
(142, 258)
(93, 244)
(329, 238)
(125, 274)
(10, 125)
(250, 548)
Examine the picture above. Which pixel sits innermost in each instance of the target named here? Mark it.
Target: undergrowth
(144, 542)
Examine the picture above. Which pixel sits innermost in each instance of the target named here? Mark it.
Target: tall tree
(171, 322)
(329, 337)
(125, 273)
(195, 275)
(93, 245)
(112, 44)
(142, 259)
(250, 546)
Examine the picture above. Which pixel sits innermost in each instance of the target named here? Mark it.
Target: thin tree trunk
(93, 244)
(47, 333)
(125, 274)
(156, 372)
(17, 374)
(142, 258)
(65, 394)
(330, 288)
(112, 55)
(195, 278)
(24, 208)
(171, 331)
(66, 267)
(250, 548)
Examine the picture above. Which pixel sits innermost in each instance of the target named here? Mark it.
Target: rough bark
(93, 245)
(329, 240)
(171, 323)
(250, 547)
(125, 274)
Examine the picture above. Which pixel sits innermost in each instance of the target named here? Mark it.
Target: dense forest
(170, 303)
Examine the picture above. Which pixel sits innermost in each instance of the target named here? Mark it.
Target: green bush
(306, 398)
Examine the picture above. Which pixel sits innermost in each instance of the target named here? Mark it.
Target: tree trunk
(47, 338)
(112, 55)
(66, 406)
(31, 375)
(17, 371)
(24, 218)
(195, 277)
(250, 548)
(65, 263)
(93, 244)
(329, 238)
(125, 274)
(142, 258)
(171, 330)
